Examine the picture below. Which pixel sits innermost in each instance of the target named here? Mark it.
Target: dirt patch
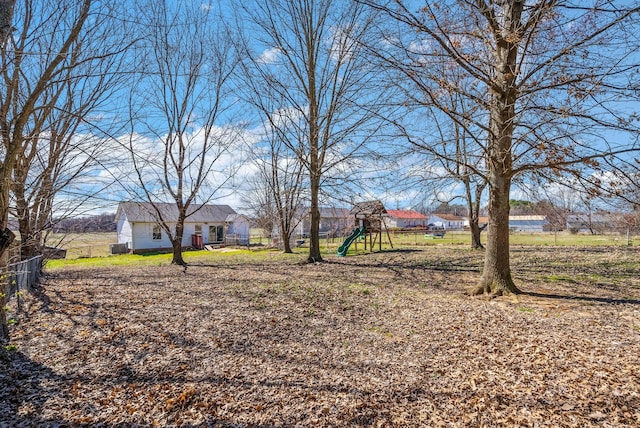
(376, 340)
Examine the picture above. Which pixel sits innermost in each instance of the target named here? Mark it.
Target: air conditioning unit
(119, 248)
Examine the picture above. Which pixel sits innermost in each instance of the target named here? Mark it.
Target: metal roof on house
(144, 212)
(407, 214)
(527, 218)
(332, 212)
(449, 217)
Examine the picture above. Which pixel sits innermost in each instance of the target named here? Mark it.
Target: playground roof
(368, 208)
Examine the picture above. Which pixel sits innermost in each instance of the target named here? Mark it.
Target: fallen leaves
(376, 340)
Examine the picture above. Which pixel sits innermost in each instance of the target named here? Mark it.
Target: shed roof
(144, 212)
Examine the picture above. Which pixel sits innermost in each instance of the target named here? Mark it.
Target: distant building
(448, 221)
(137, 225)
(333, 221)
(405, 219)
(596, 222)
(482, 222)
(528, 223)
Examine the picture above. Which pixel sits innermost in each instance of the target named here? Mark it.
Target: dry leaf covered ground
(385, 339)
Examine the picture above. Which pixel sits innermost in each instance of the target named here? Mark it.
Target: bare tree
(313, 67)
(557, 77)
(186, 62)
(452, 149)
(283, 176)
(19, 99)
(61, 136)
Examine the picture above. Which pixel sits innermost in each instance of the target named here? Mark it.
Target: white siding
(140, 235)
(241, 228)
(124, 231)
(143, 238)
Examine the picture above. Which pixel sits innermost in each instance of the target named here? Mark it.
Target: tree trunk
(30, 244)
(285, 232)
(314, 233)
(496, 277)
(473, 207)
(4, 254)
(176, 243)
(476, 232)
(177, 259)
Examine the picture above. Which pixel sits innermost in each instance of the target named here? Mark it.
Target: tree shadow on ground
(24, 393)
(590, 299)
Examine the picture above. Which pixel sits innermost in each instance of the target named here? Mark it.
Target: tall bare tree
(61, 140)
(19, 99)
(313, 66)
(446, 136)
(179, 131)
(558, 77)
(280, 183)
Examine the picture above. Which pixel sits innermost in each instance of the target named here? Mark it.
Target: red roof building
(406, 218)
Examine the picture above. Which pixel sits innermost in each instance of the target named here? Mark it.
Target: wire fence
(23, 275)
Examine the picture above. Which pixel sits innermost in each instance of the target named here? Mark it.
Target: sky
(113, 180)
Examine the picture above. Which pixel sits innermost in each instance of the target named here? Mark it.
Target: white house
(138, 227)
(448, 221)
(406, 218)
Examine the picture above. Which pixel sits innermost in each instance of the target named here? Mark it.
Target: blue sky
(392, 188)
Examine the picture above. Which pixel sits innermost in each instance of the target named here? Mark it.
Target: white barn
(138, 226)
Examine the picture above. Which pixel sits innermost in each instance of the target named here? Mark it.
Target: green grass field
(92, 249)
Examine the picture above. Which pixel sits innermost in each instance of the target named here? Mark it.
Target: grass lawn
(92, 245)
(258, 338)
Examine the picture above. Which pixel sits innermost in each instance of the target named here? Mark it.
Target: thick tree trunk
(177, 259)
(285, 232)
(4, 254)
(476, 232)
(496, 276)
(176, 243)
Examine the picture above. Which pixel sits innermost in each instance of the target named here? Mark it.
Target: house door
(216, 233)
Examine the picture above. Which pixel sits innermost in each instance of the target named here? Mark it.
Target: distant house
(405, 219)
(594, 222)
(528, 223)
(482, 222)
(448, 221)
(138, 226)
(333, 221)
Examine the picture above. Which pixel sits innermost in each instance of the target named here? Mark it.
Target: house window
(198, 229)
(216, 233)
(157, 233)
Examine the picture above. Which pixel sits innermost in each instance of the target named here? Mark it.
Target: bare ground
(385, 339)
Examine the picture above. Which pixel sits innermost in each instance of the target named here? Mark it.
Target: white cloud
(270, 56)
